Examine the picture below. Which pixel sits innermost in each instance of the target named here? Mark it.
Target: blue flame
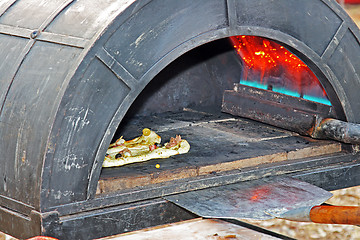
(317, 99)
(286, 92)
(254, 84)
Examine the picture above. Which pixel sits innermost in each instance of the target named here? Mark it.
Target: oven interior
(186, 99)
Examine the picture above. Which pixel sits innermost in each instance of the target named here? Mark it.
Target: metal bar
(272, 113)
(287, 113)
(15, 31)
(283, 100)
(16, 205)
(63, 40)
(339, 131)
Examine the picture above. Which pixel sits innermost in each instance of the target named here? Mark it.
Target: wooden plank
(195, 229)
(270, 158)
(218, 143)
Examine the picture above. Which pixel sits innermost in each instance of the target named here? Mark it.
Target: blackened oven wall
(196, 79)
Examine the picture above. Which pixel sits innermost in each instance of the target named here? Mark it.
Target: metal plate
(259, 199)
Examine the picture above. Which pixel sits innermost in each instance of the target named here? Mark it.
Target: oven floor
(219, 142)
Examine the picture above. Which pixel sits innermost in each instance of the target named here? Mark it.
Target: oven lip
(311, 170)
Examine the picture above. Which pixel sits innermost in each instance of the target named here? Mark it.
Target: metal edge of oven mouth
(300, 169)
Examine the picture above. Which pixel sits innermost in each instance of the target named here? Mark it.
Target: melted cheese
(138, 150)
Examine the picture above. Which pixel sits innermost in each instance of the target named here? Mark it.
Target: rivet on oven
(34, 34)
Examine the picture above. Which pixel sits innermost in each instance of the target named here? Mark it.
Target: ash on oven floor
(219, 142)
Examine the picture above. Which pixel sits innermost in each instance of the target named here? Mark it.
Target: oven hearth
(219, 143)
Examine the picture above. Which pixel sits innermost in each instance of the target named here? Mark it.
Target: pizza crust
(143, 149)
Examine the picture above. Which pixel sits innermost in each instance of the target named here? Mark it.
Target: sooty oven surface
(125, 65)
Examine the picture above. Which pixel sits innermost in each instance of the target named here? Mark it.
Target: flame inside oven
(268, 65)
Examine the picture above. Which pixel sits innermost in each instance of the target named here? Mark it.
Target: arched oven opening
(237, 102)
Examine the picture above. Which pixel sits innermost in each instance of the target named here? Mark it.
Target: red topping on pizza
(173, 141)
(152, 147)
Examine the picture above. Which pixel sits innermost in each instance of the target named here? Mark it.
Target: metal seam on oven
(119, 70)
(232, 18)
(16, 68)
(44, 36)
(330, 49)
(6, 7)
(54, 14)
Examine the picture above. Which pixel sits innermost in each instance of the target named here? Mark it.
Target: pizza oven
(259, 88)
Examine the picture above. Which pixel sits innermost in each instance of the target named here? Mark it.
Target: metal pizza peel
(280, 197)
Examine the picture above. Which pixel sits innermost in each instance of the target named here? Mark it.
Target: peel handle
(335, 215)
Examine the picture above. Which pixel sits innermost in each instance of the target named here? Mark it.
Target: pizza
(143, 148)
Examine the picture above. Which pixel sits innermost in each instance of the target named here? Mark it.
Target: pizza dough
(143, 148)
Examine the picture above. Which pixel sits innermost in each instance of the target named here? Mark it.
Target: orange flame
(260, 193)
(271, 64)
